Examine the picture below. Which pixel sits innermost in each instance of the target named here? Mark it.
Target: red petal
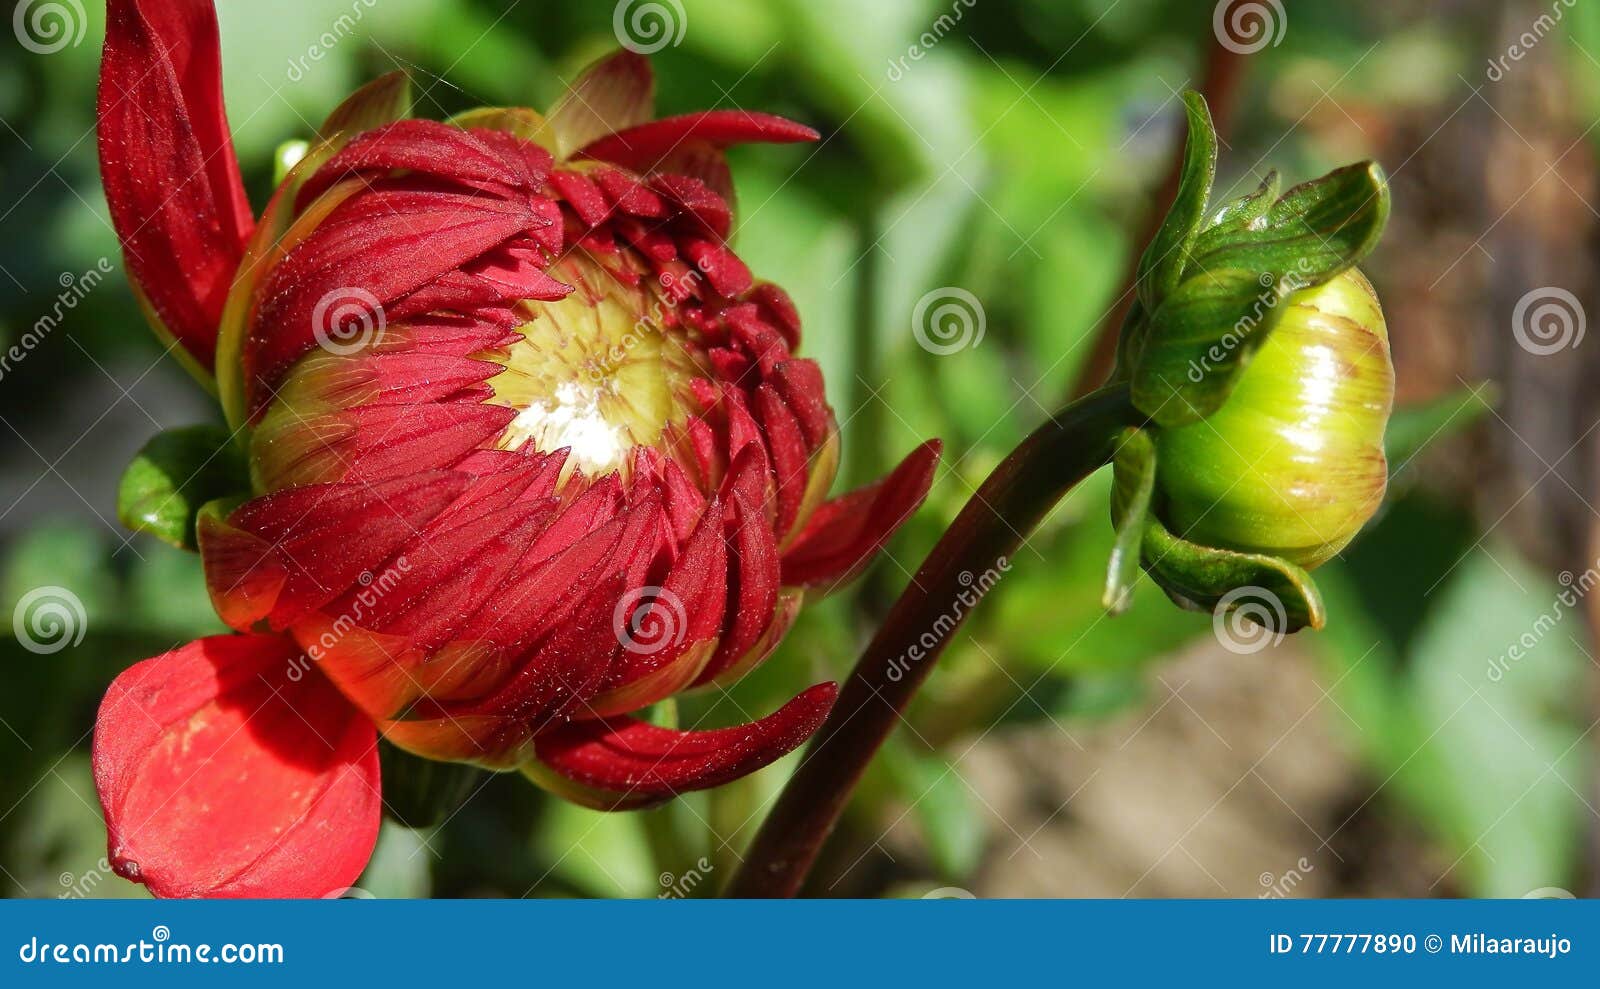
(846, 532)
(641, 148)
(424, 146)
(371, 251)
(167, 162)
(228, 768)
(635, 763)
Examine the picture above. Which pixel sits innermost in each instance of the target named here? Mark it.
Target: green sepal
(1203, 578)
(1415, 427)
(1203, 335)
(384, 100)
(178, 472)
(1240, 213)
(1162, 265)
(421, 793)
(1134, 473)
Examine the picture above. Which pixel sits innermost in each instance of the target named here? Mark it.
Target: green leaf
(1413, 428)
(1260, 586)
(950, 818)
(177, 472)
(1135, 485)
(1204, 333)
(1474, 727)
(1162, 265)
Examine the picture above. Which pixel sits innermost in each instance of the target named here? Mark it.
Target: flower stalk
(996, 521)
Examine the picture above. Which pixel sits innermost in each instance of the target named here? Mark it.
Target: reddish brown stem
(1220, 86)
(1013, 500)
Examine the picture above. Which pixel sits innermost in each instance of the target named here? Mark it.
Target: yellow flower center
(597, 372)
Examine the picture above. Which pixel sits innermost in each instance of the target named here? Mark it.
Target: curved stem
(1073, 444)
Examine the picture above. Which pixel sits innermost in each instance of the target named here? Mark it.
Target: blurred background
(1438, 739)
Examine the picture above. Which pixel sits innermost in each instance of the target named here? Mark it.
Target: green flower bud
(1292, 464)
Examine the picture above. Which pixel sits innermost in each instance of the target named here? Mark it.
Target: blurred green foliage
(1014, 159)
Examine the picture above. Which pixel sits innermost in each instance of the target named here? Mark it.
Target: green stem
(1015, 498)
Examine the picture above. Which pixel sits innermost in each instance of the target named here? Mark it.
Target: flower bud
(1292, 464)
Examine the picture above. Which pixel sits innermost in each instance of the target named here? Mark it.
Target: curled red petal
(167, 161)
(641, 148)
(846, 532)
(626, 762)
(229, 767)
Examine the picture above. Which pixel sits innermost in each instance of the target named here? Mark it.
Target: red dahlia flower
(529, 451)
